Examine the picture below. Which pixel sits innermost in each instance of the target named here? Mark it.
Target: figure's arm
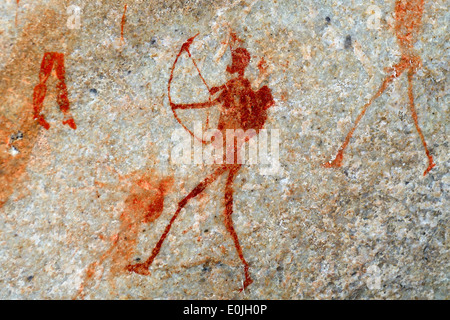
(201, 105)
(214, 90)
(197, 105)
(264, 71)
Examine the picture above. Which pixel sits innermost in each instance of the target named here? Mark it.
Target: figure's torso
(238, 99)
(408, 16)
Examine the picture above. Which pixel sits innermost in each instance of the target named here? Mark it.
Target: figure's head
(240, 59)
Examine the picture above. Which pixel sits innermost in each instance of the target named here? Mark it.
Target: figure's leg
(229, 223)
(46, 66)
(395, 72)
(40, 90)
(61, 88)
(142, 268)
(38, 100)
(431, 164)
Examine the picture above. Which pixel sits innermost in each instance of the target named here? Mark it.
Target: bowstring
(204, 81)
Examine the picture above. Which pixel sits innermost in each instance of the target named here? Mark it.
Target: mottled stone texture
(78, 206)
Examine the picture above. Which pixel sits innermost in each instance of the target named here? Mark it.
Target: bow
(185, 47)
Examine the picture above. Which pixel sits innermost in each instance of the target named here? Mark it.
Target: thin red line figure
(17, 12)
(408, 19)
(50, 60)
(242, 108)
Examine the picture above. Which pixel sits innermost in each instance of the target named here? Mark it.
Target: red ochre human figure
(52, 60)
(21, 135)
(242, 108)
(408, 19)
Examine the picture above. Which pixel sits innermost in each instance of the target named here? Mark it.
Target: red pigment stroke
(262, 65)
(122, 25)
(144, 204)
(52, 60)
(408, 20)
(17, 11)
(242, 108)
(185, 47)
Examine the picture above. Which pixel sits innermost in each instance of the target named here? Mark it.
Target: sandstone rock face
(98, 99)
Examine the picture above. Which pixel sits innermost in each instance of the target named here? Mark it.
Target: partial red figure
(408, 19)
(122, 24)
(17, 11)
(144, 204)
(242, 108)
(52, 60)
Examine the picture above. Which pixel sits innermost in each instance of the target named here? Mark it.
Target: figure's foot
(139, 268)
(430, 166)
(70, 122)
(248, 281)
(336, 163)
(42, 122)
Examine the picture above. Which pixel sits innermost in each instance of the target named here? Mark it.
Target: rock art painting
(408, 20)
(178, 150)
(243, 108)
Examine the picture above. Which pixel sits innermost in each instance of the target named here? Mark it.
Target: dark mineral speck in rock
(206, 268)
(17, 136)
(348, 42)
(30, 278)
(93, 91)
